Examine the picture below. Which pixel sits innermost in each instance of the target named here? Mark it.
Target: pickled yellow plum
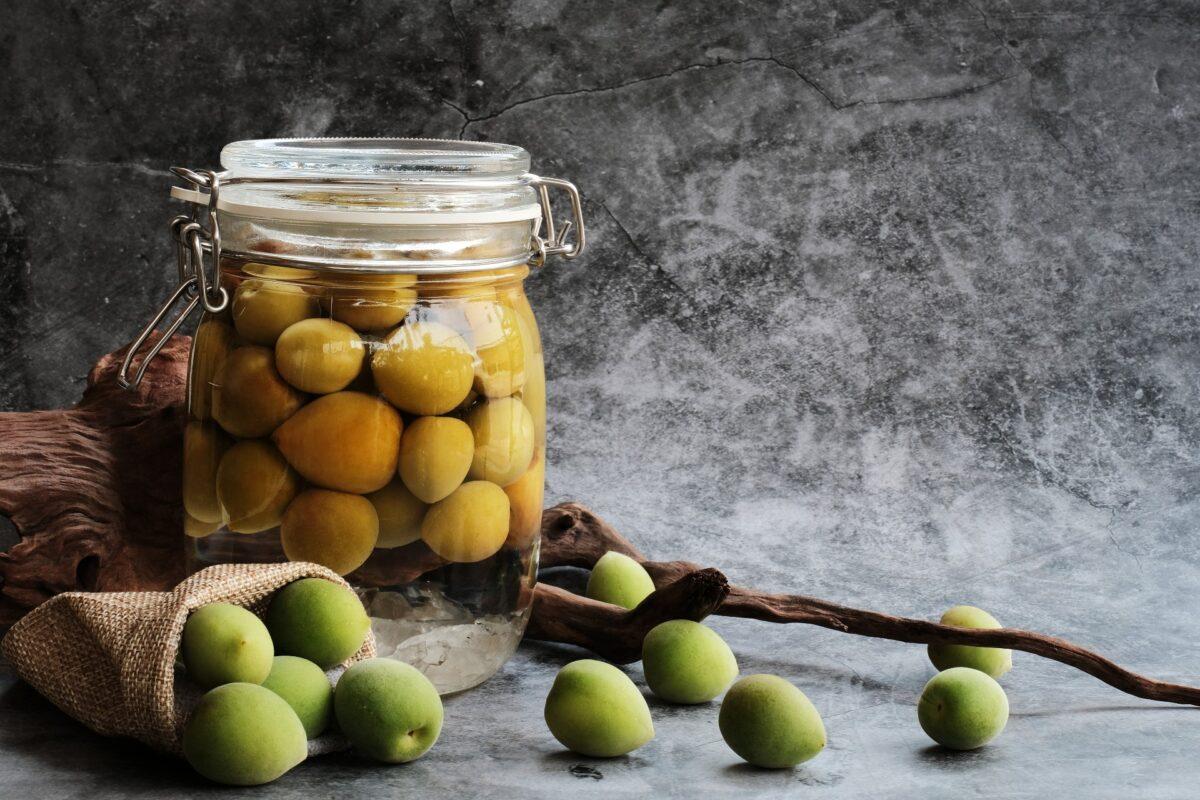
(441, 287)
(319, 355)
(279, 273)
(346, 441)
(525, 503)
(254, 484)
(400, 514)
(212, 343)
(250, 399)
(424, 368)
(263, 309)
(469, 525)
(373, 302)
(435, 455)
(504, 440)
(533, 392)
(198, 529)
(495, 330)
(334, 529)
(203, 446)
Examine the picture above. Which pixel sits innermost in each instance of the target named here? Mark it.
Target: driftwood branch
(614, 633)
(94, 494)
(94, 490)
(574, 536)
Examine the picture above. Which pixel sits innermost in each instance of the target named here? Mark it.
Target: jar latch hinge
(194, 235)
(557, 241)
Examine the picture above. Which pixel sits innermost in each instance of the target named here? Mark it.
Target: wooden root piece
(610, 631)
(574, 536)
(94, 490)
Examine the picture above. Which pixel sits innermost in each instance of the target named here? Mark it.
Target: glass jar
(366, 388)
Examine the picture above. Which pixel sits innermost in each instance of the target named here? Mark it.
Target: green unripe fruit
(595, 710)
(962, 708)
(686, 662)
(770, 723)
(388, 710)
(619, 580)
(224, 643)
(303, 686)
(319, 620)
(243, 735)
(994, 661)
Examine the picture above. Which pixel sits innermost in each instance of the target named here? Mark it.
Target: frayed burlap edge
(108, 658)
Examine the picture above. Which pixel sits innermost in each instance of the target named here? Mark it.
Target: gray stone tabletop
(893, 303)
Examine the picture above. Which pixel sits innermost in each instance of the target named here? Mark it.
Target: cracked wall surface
(890, 302)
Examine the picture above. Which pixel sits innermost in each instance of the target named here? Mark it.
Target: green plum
(224, 643)
(994, 661)
(770, 723)
(686, 662)
(618, 579)
(595, 710)
(243, 735)
(388, 710)
(306, 688)
(319, 620)
(962, 708)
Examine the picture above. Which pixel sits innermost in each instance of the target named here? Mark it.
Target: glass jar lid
(407, 158)
(374, 182)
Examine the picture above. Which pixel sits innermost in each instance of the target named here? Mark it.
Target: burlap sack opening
(108, 658)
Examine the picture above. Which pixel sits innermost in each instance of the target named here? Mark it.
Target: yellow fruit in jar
(469, 525)
(203, 446)
(346, 440)
(533, 393)
(279, 273)
(255, 485)
(504, 440)
(334, 529)
(319, 355)
(525, 503)
(442, 287)
(197, 529)
(424, 368)
(263, 309)
(435, 455)
(210, 346)
(372, 302)
(249, 398)
(400, 514)
(495, 330)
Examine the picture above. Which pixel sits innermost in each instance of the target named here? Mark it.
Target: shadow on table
(34, 729)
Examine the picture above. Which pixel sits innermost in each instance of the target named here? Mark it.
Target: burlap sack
(109, 658)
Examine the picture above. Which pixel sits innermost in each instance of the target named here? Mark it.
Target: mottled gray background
(893, 303)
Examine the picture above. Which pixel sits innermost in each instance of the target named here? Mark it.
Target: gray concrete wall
(894, 303)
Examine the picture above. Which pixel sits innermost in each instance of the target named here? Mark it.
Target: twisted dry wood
(94, 490)
(574, 536)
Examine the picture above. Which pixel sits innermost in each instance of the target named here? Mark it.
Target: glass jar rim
(359, 157)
